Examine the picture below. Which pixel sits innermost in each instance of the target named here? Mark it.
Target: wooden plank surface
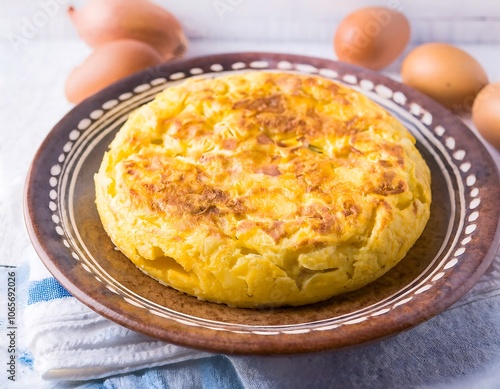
(460, 21)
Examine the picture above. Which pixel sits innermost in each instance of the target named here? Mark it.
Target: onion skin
(109, 63)
(103, 21)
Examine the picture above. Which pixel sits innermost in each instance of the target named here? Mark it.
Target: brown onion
(103, 21)
(109, 63)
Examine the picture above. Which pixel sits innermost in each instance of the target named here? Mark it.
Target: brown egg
(109, 63)
(446, 73)
(486, 113)
(372, 37)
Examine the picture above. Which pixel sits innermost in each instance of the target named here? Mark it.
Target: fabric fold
(69, 341)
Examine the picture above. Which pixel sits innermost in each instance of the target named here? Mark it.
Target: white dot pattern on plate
(399, 97)
(329, 73)
(356, 321)
(238, 66)
(158, 81)
(285, 65)
(98, 113)
(450, 142)
(367, 84)
(439, 130)
(84, 123)
(350, 79)
(426, 118)
(423, 289)
(67, 147)
(55, 170)
(402, 302)
(74, 135)
(217, 67)
(142, 88)
(465, 167)
(450, 264)
(466, 240)
(295, 332)
(123, 97)
(381, 312)
(259, 64)
(467, 232)
(470, 180)
(474, 203)
(177, 76)
(415, 109)
(110, 104)
(459, 155)
(470, 229)
(305, 68)
(327, 327)
(384, 91)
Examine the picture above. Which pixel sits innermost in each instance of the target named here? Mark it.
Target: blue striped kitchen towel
(68, 342)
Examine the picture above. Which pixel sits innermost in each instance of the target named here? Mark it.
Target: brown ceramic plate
(455, 249)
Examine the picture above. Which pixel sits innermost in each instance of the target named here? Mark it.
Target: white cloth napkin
(69, 341)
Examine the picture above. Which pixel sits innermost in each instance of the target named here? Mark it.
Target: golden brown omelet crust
(263, 189)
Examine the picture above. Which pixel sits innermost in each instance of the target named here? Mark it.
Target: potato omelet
(263, 189)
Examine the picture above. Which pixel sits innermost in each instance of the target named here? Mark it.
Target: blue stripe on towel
(46, 290)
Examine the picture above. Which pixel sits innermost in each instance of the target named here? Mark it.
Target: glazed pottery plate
(453, 252)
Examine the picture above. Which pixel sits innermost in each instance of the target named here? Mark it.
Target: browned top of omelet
(283, 151)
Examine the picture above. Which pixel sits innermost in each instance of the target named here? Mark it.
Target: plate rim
(266, 343)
